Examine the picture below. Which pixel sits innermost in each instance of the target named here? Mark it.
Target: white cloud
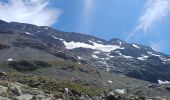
(155, 10)
(29, 11)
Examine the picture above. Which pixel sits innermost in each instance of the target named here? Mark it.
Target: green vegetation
(50, 85)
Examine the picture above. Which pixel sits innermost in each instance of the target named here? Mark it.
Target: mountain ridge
(46, 27)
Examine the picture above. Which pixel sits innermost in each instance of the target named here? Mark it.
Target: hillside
(29, 50)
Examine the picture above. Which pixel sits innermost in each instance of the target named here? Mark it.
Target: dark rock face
(133, 60)
(2, 46)
(27, 65)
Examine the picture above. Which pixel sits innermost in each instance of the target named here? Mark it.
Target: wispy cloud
(29, 11)
(155, 10)
(85, 17)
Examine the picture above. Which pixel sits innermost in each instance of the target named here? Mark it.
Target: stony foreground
(36, 88)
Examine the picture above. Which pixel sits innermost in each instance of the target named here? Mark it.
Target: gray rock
(157, 98)
(24, 97)
(38, 97)
(66, 90)
(15, 88)
(59, 99)
(4, 98)
(35, 98)
(3, 89)
(110, 96)
(34, 92)
(82, 97)
(3, 73)
(16, 91)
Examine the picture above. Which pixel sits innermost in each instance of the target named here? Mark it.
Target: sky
(135, 21)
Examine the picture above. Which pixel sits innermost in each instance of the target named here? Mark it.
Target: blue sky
(136, 21)
(105, 19)
(113, 19)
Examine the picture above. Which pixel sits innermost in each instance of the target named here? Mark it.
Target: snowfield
(163, 82)
(96, 46)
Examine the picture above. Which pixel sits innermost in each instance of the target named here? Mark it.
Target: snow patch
(101, 47)
(57, 38)
(134, 45)
(121, 91)
(144, 57)
(161, 57)
(79, 57)
(109, 81)
(120, 43)
(163, 82)
(164, 59)
(96, 52)
(109, 56)
(73, 45)
(97, 46)
(105, 48)
(10, 59)
(119, 53)
(28, 33)
(128, 57)
(151, 53)
(108, 69)
(94, 56)
(156, 55)
(167, 59)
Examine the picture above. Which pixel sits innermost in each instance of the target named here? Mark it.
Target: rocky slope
(82, 59)
(18, 86)
(115, 55)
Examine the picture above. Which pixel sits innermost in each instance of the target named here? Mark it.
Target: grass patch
(54, 86)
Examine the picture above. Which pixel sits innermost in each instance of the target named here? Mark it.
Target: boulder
(38, 97)
(167, 88)
(157, 98)
(24, 97)
(66, 90)
(59, 99)
(3, 73)
(110, 96)
(3, 89)
(76, 93)
(82, 97)
(4, 98)
(16, 90)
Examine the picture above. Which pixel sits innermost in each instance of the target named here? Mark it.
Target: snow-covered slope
(94, 45)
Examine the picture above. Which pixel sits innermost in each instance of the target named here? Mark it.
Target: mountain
(53, 61)
(26, 42)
